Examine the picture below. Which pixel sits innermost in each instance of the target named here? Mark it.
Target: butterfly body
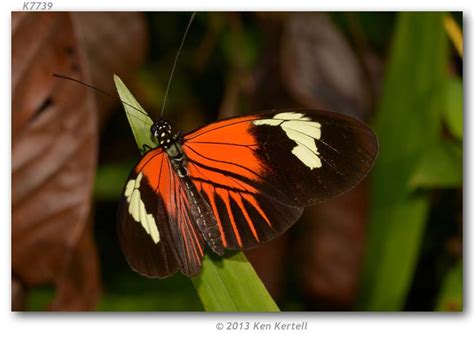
(235, 184)
(201, 215)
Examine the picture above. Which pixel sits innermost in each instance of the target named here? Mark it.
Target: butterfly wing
(156, 231)
(258, 172)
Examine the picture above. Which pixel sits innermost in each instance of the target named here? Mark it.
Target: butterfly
(235, 184)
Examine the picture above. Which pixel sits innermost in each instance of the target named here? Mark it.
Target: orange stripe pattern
(224, 166)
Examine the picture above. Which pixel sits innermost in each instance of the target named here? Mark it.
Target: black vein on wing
(148, 161)
(159, 177)
(228, 174)
(224, 162)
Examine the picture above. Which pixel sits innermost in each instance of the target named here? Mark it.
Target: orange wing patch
(223, 163)
(228, 144)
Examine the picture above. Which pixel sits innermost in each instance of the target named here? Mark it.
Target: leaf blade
(140, 122)
(408, 123)
(237, 283)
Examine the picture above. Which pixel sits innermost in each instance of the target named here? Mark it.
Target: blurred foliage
(106, 187)
(399, 212)
(413, 255)
(451, 296)
(408, 123)
(454, 32)
(448, 171)
(453, 102)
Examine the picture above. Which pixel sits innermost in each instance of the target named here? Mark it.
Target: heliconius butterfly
(235, 184)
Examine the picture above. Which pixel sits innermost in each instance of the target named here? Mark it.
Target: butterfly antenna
(99, 90)
(175, 61)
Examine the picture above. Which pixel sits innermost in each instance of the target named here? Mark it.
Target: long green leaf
(408, 123)
(224, 284)
(231, 284)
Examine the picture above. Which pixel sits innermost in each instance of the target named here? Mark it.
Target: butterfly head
(161, 130)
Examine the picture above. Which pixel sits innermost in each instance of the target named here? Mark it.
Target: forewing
(156, 232)
(259, 171)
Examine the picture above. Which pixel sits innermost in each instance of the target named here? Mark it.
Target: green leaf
(451, 294)
(139, 120)
(231, 284)
(224, 284)
(439, 167)
(408, 124)
(453, 114)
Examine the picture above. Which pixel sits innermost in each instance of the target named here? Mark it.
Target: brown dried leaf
(18, 295)
(268, 89)
(80, 277)
(269, 261)
(54, 146)
(332, 249)
(319, 68)
(107, 39)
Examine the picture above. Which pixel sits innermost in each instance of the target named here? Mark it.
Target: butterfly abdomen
(203, 217)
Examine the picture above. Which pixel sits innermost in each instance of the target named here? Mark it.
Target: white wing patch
(136, 208)
(303, 131)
